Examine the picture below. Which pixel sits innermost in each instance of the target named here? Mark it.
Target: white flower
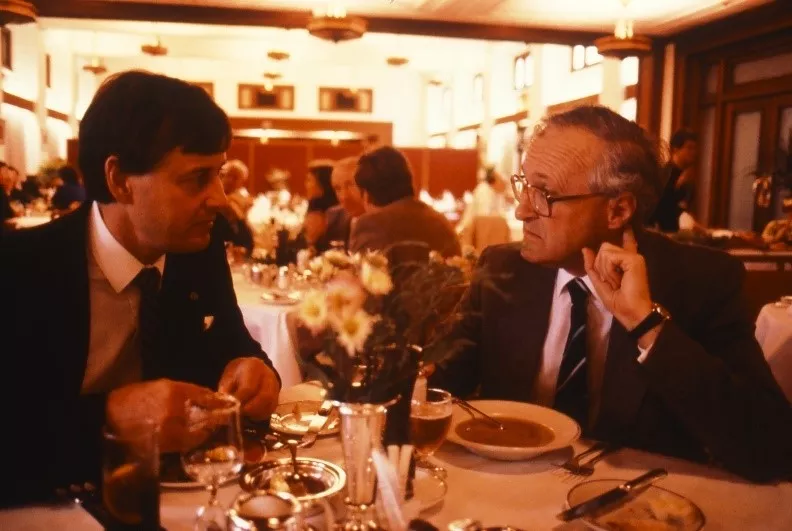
(344, 296)
(338, 258)
(377, 259)
(353, 330)
(377, 281)
(313, 311)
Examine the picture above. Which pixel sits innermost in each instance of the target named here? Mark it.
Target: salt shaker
(283, 278)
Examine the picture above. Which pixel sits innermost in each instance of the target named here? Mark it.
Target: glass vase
(361, 430)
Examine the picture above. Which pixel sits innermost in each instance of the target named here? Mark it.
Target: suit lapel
(624, 386)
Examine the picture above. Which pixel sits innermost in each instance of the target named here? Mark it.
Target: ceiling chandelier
(278, 55)
(16, 12)
(154, 49)
(623, 43)
(271, 77)
(334, 24)
(96, 67)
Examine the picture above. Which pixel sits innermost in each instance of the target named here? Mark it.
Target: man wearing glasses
(642, 340)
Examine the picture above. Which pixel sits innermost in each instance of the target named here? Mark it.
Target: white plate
(428, 491)
(565, 430)
(279, 299)
(654, 505)
(284, 419)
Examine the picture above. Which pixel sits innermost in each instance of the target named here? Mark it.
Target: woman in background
(318, 184)
(70, 194)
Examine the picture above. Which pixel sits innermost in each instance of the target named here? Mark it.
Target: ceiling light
(624, 43)
(397, 61)
(154, 49)
(16, 12)
(277, 55)
(96, 67)
(334, 24)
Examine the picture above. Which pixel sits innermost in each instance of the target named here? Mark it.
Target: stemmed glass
(430, 421)
(215, 451)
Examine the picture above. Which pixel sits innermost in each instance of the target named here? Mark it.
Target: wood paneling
(22, 103)
(452, 169)
(648, 91)
(516, 117)
(383, 130)
(202, 14)
(339, 99)
(568, 105)
(277, 97)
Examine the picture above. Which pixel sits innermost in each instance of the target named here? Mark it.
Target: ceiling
(563, 21)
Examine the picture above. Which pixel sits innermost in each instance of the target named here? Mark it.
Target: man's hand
(161, 401)
(254, 384)
(619, 276)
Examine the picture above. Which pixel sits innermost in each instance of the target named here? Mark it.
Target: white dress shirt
(114, 351)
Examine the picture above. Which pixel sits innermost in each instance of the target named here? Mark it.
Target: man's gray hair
(632, 162)
(236, 165)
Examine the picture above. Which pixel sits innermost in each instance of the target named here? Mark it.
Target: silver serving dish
(322, 491)
(265, 510)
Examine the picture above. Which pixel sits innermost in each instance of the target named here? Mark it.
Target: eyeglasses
(540, 199)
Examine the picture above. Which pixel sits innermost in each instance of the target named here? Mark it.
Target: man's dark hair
(632, 160)
(68, 174)
(681, 137)
(317, 204)
(384, 174)
(140, 117)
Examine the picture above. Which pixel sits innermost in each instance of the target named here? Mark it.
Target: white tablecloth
(24, 222)
(529, 494)
(268, 324)
(774, 333)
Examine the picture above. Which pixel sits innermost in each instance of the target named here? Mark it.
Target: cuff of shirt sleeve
(644, 353)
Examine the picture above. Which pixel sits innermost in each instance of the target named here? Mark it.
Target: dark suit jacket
(406, 220)
(51, 429)
(338, 225)
(705, 391)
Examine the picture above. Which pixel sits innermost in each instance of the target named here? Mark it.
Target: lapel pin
(208, 320)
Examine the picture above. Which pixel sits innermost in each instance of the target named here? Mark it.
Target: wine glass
(215, 451)
(430, 420)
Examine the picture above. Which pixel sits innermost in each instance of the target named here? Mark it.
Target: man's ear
(621, 210)
(117, 181)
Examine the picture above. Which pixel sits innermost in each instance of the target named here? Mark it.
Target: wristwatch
(655, 317)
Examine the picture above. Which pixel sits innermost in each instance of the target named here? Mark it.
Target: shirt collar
(117, 264)
(563, 278)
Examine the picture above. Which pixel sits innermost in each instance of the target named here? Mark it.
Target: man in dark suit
(125, 309)
(645, 342)
(339, 217)
(393, 214)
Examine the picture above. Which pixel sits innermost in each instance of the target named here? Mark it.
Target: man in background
(678, 175)
(350, 199)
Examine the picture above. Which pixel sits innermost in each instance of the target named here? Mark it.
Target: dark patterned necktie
(148, 280)
(572, 396)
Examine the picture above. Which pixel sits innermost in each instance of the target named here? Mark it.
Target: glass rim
(233, 403)
(446, 396)
(140, 429)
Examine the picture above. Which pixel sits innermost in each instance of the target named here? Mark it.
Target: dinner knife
(318, 422)
(613, 495)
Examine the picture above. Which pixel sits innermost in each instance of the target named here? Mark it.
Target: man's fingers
(248, 384)
(628, 240)
(607, 265)
(589, 263)
(260, 406)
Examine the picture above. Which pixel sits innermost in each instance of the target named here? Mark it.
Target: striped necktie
(148, 281)
(572, 396)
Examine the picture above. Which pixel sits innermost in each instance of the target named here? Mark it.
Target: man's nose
(524, 211)
(216, 197)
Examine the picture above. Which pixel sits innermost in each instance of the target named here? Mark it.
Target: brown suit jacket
(704, 393)
(406, 220)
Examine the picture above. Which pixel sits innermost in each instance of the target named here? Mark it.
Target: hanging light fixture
(334, 24)
(397, 61)
(154, 50)
(624, 42)
(96, 66)
(16, 12)
(271, 77)
(277, 55)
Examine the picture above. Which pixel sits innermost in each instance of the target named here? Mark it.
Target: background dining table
(269, 324)
(524, 494)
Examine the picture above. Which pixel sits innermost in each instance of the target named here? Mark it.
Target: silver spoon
(469, 408)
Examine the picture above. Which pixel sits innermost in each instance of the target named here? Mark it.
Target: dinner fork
(573, 464)
(585, 469)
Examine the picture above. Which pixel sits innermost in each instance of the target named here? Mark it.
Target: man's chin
(193, 244)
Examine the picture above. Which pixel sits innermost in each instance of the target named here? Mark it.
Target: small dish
(294, 418)
(564, 430)
(651, 508)
(428, 491)
(280, 298)
(173, 477)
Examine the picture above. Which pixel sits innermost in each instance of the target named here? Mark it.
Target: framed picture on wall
(277, 97)
(345, 100)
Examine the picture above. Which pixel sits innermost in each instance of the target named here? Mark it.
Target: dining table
(774, 334)
(526, 495)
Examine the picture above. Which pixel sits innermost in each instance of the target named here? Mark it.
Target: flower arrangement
(378, 320)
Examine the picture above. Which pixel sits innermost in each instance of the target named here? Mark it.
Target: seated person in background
(6, 185)
(678, 182)
(142, 315)
(393, 213)
(778, 233)
(488, 200)
(233, 224)
(339, 217)
(318, 183)
(70, 194)
(315, 228)
(644, 341)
